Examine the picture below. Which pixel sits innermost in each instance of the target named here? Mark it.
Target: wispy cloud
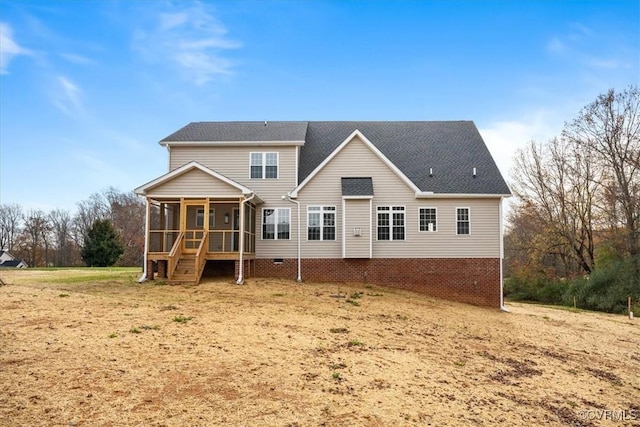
(76, 59)
(191, 38)
(9, 48)
(68, 97)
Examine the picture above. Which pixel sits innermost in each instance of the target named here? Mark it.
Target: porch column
(241, 243)
(147, 222)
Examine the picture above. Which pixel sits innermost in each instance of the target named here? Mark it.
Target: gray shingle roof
(357, 186)
(451, 149)
(239, 131)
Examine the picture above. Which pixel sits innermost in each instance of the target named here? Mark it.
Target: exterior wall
(357, 214)
(194, 183)
(469, 280)
(233, 162)
(325, 189)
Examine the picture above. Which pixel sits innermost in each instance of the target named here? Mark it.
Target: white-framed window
(200, 218)
(428, 218)
(276, 223)
(463, 221)
(321, 223)
(391, 222)
(263, 165)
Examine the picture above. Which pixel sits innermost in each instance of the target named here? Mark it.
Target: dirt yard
(87, 349)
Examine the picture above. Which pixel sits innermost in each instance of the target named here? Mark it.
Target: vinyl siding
(357, 160)
(194, 183)
(233, 162)
(357, 215)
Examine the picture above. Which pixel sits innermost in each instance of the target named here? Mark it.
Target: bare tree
(556, 181)
(61, 232)
(10, 218)
(127, 214)
(610, 129)
(36, 235)
(89, 211)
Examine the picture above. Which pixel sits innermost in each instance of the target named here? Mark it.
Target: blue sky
(87, 89)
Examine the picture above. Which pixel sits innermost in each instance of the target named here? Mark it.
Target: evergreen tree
(102, 246)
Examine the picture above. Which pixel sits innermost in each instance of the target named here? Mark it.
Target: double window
(428, 219)
(463, 223)
(264, 165)
(276, 223)
(391, 222)
(321, 223)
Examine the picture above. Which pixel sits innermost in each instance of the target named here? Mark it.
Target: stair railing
(201, 259)
(174, 255)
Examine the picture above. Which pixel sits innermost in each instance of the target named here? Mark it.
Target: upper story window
(264, 165)
(391, 222)
(463, 223)
(276, 223)
(427, 217)
(321, 224)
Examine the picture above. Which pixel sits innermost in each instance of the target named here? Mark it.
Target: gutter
(288, 198)
(240, 280)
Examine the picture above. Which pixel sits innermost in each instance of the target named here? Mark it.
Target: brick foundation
(469, 280)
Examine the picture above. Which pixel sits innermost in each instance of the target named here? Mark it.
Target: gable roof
(143, 189)
(357, 187)
(451, 149)
(435, 157)
(225, 132)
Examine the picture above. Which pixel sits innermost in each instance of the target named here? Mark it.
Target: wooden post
(629, 308)
(574, 302)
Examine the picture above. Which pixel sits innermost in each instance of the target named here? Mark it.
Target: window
(264, 165)
(428, 219)
(391, 221)
(200, 218)
(462, 221)
(321, 224)
(276, 223)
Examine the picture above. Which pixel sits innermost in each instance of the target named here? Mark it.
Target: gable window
(321, 223)
(276, 223)
(428, 219)
(264, 165)
(463, 224)
(391, 222)
(200, 218)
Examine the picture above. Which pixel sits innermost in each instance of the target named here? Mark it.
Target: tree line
(573, 236)
(60, 239)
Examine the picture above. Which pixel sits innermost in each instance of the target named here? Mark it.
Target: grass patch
(63, 295)
(339, 330)
(354, 343)
(182, 319)
(353, 302)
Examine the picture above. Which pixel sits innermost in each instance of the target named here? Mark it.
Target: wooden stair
(186, 271)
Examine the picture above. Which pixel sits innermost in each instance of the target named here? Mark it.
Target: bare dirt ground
(94, 351)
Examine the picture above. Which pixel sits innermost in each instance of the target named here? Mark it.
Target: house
(9, 261)
(413, 205)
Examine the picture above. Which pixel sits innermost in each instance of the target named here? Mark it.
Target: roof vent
(265, 122)
(474, 172)
(431, 172)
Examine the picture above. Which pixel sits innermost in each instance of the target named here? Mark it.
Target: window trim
(276, 209)
(322, 211)
(263, 165)
(458, 221)
(420, 219)
(390, 212)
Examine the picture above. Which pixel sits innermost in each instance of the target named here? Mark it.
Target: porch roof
(148, 188)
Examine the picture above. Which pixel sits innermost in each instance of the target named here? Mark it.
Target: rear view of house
(412, 205)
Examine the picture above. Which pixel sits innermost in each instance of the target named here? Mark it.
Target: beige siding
(233, 162)
(389, 190)
(194, 183)
(357, 215)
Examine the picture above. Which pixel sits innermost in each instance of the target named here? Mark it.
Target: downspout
(288, 197)
(240, 280)
(146, 242)
(502, 307)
